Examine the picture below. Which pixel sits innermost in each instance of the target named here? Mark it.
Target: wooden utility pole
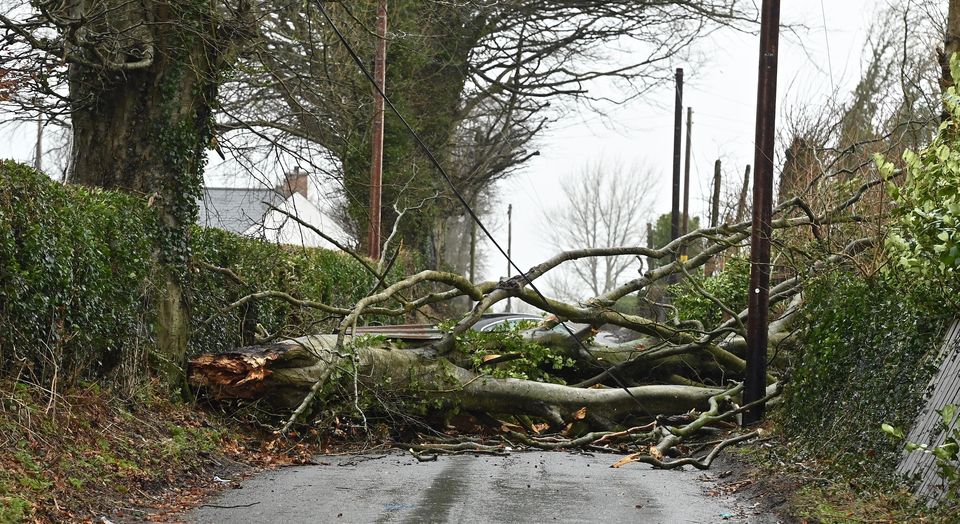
(650, 260)
(473, 250)
(715, 200)
(38, 152)
(509, 246)
(686, 177)
(755, 381)
(376, 162)
(711, 264)
(677, 125)
(742, 201)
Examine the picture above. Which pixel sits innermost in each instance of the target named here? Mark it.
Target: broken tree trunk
(284, 373)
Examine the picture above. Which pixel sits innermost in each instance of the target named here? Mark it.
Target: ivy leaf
(895, 433)
(947, 451)
(947, 414)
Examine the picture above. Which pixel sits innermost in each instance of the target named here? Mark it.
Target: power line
(826, 38)
(416, 136)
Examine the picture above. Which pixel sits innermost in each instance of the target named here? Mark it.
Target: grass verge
(809, 490)
(84, 455)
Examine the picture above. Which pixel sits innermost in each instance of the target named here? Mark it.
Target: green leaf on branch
(896, 433)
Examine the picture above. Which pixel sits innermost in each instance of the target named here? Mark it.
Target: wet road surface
(522, 487)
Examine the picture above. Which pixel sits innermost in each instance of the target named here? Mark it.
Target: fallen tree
(679, 376)
(285, 372)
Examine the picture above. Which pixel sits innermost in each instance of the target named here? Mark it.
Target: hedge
(331, 277)
(79, 277)
(869, 350)
(75, 278)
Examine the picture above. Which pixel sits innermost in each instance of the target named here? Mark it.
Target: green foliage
(729, 287)
(925, 233)
(75, 275)
(80, 273)
(319, 275)
(14, 509)
(867, 354)
(661, 236)
(530, 360)
(947, 455)
(183, 155)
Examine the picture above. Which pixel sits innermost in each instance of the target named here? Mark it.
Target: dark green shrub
(867, 355)
(311, 274)
(75, 278)
(79, 277)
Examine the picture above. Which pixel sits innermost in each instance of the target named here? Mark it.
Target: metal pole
(755, 381)
(376, 162)
(509, 246)
(686, 178)
(677, 125)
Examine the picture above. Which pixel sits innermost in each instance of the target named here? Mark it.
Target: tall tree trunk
(145, 130)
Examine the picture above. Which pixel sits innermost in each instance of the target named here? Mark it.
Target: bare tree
(604, 205)
(831, 146)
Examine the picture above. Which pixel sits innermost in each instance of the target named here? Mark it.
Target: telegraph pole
(650, 260)
(473, 250)
(686, 177)
(715, 201)
(759, 302)
(38, 152)
(711, 266)
(742, 201)
(677, 125)
(509, 246)
(376, 163)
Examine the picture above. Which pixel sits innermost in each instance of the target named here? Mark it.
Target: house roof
(278, 227)
(236, 209)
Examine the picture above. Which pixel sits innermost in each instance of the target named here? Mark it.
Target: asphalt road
(522, 487)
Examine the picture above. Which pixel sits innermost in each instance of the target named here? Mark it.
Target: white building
(267, 213)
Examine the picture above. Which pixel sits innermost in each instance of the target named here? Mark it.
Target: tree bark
(283, 373)
(951, 45)
(145, 129)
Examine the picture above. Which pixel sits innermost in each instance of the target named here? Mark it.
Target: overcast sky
(722, 93)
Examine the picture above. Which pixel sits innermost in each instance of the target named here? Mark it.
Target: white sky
(722, 92)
